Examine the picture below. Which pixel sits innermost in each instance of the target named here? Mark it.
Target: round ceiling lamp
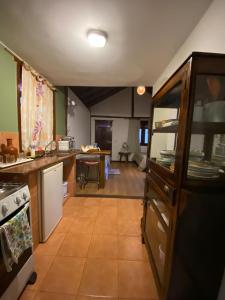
(141, 90)
(97, 38)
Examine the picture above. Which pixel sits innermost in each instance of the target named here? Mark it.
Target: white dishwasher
(51, 199)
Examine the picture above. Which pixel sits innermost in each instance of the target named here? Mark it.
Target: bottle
(10, 149)
(32, 151)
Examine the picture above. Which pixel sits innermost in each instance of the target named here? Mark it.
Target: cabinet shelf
(197, 127)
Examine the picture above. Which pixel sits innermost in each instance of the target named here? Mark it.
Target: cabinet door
(157, 238)
(206, 155)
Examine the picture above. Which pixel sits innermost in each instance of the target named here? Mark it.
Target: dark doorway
(103, 134)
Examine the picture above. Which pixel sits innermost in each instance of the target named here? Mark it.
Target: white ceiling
(143, 36)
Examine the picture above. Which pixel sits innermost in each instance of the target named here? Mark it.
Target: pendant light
(141, 90)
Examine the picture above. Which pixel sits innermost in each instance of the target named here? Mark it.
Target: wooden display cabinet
(184, 204)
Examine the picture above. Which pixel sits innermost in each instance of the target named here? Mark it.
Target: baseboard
(109, 196)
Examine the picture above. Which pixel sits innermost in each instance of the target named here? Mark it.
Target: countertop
(38, 164)
(46, 161)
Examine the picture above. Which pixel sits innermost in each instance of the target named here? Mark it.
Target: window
(143, 133)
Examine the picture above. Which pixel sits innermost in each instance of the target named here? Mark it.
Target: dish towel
(16, 237)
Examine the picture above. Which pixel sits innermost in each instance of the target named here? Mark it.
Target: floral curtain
(36, 111)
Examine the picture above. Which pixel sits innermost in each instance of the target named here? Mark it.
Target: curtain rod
(28, 67)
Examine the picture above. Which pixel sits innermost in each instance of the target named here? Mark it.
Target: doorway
(103, 134)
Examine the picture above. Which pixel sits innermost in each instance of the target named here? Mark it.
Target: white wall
(208, 36)
(78, 121)
(162, 141)
(120, 129)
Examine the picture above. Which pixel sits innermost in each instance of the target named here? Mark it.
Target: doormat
(114, 172)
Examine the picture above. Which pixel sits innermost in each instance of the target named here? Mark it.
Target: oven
(13, 199)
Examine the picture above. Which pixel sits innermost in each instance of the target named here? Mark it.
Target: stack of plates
(195, 155)
(167, 158)
(219, 160)
(166, 162)
(167, 153)
(202, 170)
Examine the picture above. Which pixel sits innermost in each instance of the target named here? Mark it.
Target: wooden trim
(18, 82)
(66, 108)
(132, 102)
(119, 117)
(108, 196)
(54, 116)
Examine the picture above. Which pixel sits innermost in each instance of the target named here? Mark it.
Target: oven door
(6, 278)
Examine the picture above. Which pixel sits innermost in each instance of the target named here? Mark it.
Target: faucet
(51, 143)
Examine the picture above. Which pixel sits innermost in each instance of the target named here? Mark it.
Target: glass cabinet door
(206, 159)
(165, 128)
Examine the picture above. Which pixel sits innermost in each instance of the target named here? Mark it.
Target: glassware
(12, 158)
(21, 156)
(7, 158)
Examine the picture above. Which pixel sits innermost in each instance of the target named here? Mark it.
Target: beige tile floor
(94, 253)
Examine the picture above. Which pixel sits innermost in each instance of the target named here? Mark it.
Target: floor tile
(92, 201)
(108, 202)
(105, 225)
(53, 296)
(137, 299)
(27, 295)
(75, 245)
(51, 246)
(129, 213)
(131, 248)
(79, 297)
(108, 212)
(86, 212)
(42, 265)
(68, 211)
(74, 201)
(100, 278)
(128, 227)
(82, 226)
(103, 246)
(64, 275)
(64, 225)
(135, 280)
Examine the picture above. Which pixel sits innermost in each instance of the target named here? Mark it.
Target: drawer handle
(166, 189)
(160, 227)
(165, 219)
(162, 255)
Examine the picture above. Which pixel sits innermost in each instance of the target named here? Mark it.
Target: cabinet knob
(166, 189)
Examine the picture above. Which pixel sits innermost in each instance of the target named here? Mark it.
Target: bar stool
(88, 165)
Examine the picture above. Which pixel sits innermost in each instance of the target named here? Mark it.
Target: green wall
(8, 92)
(60, 110)
(8, 97)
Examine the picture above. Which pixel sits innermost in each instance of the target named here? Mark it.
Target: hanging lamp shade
(141, 90)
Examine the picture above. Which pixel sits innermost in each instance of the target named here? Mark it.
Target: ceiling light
(97, 38)
(141, 90)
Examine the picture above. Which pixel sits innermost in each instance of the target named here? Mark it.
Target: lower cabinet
(157, 238)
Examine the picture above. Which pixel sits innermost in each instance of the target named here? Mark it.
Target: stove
(12, 197)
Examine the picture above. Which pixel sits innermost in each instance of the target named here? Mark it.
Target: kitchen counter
(38, 164)
(29, 173)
